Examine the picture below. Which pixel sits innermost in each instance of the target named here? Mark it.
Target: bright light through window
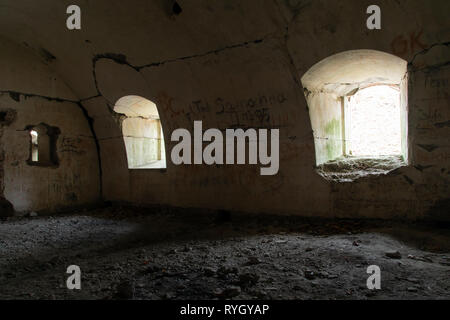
(375, 126)
(142, 133)
(34, 146)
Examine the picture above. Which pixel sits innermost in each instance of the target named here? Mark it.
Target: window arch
(358, 108)
(142, 133)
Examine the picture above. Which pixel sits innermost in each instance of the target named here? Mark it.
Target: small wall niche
(7, 117)
(43, 139)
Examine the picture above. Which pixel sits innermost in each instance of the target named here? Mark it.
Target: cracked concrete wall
(238, 64)
(38, 96)
(420, 190)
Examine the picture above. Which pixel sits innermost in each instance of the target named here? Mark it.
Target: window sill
(48, 165)
(155, 165)
(161, 170)
(350, 169)
(159, 165)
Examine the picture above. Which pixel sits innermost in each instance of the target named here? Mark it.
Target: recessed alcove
(359, 112)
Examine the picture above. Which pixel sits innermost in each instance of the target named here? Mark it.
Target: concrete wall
(37, 96)
(238, 64)
(327, 123)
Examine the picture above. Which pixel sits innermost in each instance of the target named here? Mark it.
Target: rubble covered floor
(129, 253)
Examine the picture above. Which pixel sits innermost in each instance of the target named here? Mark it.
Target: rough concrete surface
(129, 253)
(349, 169)
(230, 64)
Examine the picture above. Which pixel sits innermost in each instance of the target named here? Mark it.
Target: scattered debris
(393, 255)
(125, 290)
(413, 280)
(228, 293)
(252, 261)
(310, 275)
(224, 272)
(187, 249)
(423, 259)
(152, 268)
(206, 259)
(248, 279)
(209, 271)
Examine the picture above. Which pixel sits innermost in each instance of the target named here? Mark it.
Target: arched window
(43, 145)
(142, 133)
(358, 108)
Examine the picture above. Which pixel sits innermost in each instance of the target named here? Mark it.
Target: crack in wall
(435, 67)
(295, 13)
(240, 45)
(90, 98)
(122, 60)
(90, 121)
(16, 96)
(425, 51)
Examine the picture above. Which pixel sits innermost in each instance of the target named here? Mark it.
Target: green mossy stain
(334, 145)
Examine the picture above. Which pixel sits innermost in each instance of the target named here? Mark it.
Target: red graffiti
(403, 45)
(166, 103)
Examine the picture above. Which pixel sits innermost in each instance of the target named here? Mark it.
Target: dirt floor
(127, 253)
